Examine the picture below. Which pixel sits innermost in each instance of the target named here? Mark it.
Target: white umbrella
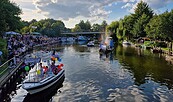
(12, 33)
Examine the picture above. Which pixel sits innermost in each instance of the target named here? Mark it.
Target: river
(126, 75)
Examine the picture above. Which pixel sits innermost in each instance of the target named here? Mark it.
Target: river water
(126, 75)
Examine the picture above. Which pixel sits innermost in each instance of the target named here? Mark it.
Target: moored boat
(35, 85)
(126, 43)
(42, 77)
(90, 44)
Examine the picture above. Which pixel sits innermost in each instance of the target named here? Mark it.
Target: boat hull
(58, 79)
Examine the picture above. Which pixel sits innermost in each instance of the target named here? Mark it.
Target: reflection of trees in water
(81, 48)
(145, 65)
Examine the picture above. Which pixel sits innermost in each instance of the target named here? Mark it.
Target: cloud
(68, 9)
(154, 4)
(128, 5)
(72, 11)
(157, 4)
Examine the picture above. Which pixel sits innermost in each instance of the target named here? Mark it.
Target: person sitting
(45, 69)
(53, 67)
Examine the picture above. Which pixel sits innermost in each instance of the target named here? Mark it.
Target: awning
(11, 33)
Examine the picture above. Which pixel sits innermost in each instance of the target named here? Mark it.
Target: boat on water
(107, 46)
(126, 43)
(82, 38)
(90, 44)
(42, 78)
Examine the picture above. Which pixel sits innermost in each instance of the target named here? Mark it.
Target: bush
(3, 48)
(148, 43)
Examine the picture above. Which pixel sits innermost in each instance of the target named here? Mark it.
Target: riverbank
(166, 52)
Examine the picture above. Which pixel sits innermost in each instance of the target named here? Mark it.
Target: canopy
(36, 33)
(11, 33)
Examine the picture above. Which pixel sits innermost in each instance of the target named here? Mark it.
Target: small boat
(90, 44)
(35, 85)
(40, 78)
(82, 38)
(126, 43)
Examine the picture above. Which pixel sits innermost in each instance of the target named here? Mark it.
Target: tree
(128, 25)
(120, 33)
(139, 26)
(103, 25)
(82, 25)
(96, 27)
(9, 16)
(143, 8)
(143, 14)
(166, 26)
(153, 28)
(77, 28)
(87, 26)
(113, 29)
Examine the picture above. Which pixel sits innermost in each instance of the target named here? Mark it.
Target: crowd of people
(19, 44)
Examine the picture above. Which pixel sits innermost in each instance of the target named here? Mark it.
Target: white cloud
(72, 11)
(68, 9)
(128, 5)
(157, 4)
(154, 4)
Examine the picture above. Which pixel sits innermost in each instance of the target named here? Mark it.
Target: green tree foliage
(84, 26)
(49, 27)
(87, 26)
(166, 25)
(143, 8)
(96, 28)
(153, 28)
(120, 32)
(103, 25)
(143, 14)
(133, 25)
(139, 26)
(113, 27)
(9, 16)
(3, 48)
(77, 28)
(128, 25)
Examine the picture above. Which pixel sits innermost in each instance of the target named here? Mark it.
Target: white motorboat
(35, 84)
(42, 78)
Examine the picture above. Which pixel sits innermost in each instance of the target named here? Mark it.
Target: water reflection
(82, 42)
(146, 66)
(107, 57)
(126, 75)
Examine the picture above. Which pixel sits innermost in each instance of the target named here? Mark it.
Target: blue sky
(72, 11)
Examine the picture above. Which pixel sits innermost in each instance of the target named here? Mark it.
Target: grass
(148, 43)
(165, 49)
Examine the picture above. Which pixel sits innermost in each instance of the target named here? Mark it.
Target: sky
(72, 11)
